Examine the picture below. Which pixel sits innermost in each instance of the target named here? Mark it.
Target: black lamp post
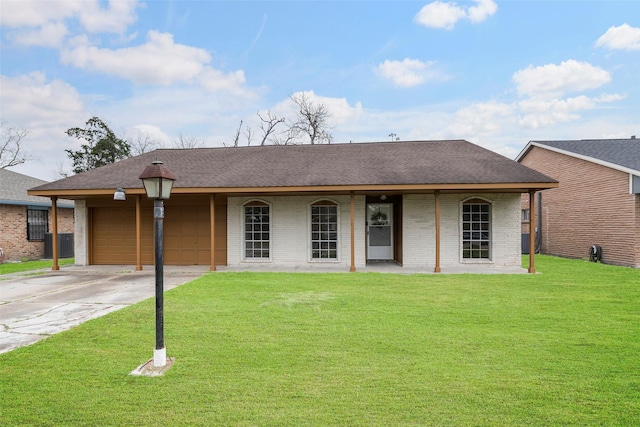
(158, 181)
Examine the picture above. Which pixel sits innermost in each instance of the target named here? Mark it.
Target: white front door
(380, 231)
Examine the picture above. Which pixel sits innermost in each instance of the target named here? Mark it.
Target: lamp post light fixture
(158, 181)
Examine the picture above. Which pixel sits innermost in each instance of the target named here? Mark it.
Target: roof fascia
(388, 187)
(587, 158)
(516, 186)
(32, 203)
(524, 151)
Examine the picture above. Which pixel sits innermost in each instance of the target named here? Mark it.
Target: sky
(496, 73)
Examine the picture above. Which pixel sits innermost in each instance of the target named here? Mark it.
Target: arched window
(324, 230)
(257, 232)
(476, 229)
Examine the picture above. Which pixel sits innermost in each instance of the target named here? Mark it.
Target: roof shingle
(620, 152)
(389, 163)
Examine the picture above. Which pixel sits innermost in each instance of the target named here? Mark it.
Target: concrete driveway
(33, 307)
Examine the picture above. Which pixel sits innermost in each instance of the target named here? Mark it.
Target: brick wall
(81, 235)
(13, 232)
(290, 230)
(419, 230)
(591, 206)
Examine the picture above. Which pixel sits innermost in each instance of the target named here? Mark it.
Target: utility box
(525, 243)
(65, 245)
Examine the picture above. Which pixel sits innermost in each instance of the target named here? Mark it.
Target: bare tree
(61, 171)
(312, 120)
(11, 152)
(269, 125)
(248, 133)
(143, 143)
(184, 141)
(235, 141)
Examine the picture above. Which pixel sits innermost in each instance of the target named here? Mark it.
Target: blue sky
(498, 74)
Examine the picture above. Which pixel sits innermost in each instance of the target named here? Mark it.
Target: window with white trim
(37, 223)
(476, 229)
(324, 231)
(257, 234)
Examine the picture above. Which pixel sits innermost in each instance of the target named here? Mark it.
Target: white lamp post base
(160, 357)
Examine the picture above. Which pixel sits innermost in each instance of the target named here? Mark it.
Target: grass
(556, 348)
(18, 267)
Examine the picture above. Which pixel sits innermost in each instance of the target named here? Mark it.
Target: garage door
(187, 235)
(113, 236)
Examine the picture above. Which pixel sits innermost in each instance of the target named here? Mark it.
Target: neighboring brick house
(597, 202)
(25, 219)
(424, 204)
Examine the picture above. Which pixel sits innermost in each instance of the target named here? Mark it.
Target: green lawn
(17, 267)
(557, 348)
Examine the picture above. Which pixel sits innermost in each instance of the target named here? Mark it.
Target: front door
(380, 231)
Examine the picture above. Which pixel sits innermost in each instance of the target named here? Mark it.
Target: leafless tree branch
(11, 150)
(184, 141)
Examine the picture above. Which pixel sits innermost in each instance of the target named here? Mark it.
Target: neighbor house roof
(328, 167)
(619, 154)
(13, 191)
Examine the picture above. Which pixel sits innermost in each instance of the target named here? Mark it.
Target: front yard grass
(557, 348)
(18, 267)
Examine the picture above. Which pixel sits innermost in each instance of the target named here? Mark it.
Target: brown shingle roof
(388, 163)
(14, 186)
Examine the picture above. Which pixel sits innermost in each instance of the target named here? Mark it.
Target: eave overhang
(516, 187)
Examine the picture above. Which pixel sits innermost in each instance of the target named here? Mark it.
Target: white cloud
(159, 61)
(47, 23)
(482, 11)
(49, 35)
(47, 109)
(155, 135)
(553, 80)
(212, 80)
(339, 108)
(479, 119)
(113, 19)
(34, 13)
(540, 112)
(33, 99)
(408, 72)
(439, 14)
(624, 37)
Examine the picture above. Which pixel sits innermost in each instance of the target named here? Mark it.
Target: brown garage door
(187, 235)
(113, 235)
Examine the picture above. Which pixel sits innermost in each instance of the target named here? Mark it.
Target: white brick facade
(290, 230)
(81, 236)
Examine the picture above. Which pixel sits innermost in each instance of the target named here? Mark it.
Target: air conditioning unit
(65, 245)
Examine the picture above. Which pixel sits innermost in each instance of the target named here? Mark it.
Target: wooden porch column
(532, 232)
(54, 230)
(437, 206)
(353, 232)
(212, 213)
(138, 234)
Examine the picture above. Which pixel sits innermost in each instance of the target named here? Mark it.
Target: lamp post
(158, 181)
